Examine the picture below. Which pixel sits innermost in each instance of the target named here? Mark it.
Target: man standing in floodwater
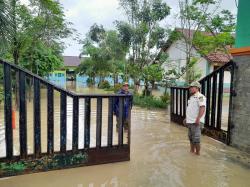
(128, 102)
(195, 113)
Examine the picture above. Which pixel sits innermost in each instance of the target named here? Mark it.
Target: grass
(149, 102)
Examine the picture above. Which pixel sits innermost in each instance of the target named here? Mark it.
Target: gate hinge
(233, 93)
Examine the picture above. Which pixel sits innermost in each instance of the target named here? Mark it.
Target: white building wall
(177, 59)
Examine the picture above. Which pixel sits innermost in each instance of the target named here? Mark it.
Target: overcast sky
(84, 13)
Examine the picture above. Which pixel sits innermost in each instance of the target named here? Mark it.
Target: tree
(40, 21)
(40, 59)
(38, 27)
(204, 15)
(117, 52)
(5, 25)
(88, 67)
(151, 74)
(143, 32)
(106, 53)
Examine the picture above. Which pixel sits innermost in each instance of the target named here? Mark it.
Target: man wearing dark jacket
(127, 105)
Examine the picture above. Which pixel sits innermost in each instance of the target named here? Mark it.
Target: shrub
(149, 102)
(104, 85)
(165, 98)
(117, 87)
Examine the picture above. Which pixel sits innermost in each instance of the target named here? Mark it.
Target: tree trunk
(137, 85)
(146, 91)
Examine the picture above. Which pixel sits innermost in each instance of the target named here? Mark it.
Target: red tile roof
(218, 57)
(215, 57)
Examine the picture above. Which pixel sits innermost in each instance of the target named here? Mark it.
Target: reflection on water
(159, 158)
(30, 128)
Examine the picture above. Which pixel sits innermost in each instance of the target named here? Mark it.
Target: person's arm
(201, 113)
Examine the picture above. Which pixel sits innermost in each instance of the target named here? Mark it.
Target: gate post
(240, 110)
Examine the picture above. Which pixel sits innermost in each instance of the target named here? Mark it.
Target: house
(67, 72)
(70, 64)
(176, 50)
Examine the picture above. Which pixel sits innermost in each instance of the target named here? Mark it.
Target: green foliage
(5, 25)
(62, 161)
(90, 82)
(152, 73)
(96, 33)
(13, 167)
(104, 85)
(149, 102)
(36, 29)
(143, 34)
(207, 44)
(106, 54)
(41, 59)
(204, 15)
(44, 163)
(117, 87)
(1, 94)
(193, 73)
(165, 98)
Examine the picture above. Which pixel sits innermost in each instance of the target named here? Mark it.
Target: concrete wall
(240, 134)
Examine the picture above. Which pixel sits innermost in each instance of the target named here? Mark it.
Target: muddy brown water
(159, 156)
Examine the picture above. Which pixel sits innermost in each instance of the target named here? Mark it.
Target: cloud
(84, 13)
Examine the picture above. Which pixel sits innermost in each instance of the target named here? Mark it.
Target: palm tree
(5, 24)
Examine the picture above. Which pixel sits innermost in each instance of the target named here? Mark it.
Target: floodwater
(160, 156)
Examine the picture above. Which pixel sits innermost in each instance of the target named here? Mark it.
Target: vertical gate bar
(50, 119)
(181, 97)
(207, 117)
(22, 116)
(203, 87)
(110, 122)
(37, 118)
(220, 98)
(87, 122)
(232, 68)
(63, 122)
(172, 103)
(99, 123)
(75, 123)
(121, 121)
(213, 114)
(129, 120)
(176, 100)
(171, 100)
(8, 111)
(184, 102)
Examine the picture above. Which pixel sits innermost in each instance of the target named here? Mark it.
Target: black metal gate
(219, 102)
(102, 152)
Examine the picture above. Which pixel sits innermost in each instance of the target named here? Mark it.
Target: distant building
(205, 64)
(67, 72)
(70, 64)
